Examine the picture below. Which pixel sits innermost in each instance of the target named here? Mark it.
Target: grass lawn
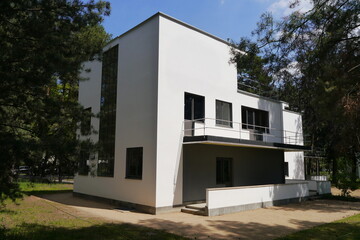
(38, 219)
(35, 218)
(29, 188)
(347, 228)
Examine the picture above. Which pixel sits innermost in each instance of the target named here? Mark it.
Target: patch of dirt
(336, 191)
(265, 223)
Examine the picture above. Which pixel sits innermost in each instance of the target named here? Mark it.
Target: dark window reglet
(108, 113)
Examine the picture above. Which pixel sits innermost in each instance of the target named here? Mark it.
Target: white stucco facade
(158, 62)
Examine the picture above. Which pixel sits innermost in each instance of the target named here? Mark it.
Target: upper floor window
(255, 119)
(223, 113)
(194, 107)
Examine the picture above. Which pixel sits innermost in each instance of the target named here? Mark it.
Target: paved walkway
(266, 223)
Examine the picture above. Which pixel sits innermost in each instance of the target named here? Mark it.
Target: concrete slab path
(266, 223)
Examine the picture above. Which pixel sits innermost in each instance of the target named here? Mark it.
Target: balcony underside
(224, 141)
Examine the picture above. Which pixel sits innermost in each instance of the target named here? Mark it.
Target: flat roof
(176, 21)
(197, 30)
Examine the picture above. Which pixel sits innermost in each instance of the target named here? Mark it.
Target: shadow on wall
(299, 170)
(274, 110)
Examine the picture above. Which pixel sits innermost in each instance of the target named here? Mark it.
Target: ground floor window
(224, 171)
(134, 162)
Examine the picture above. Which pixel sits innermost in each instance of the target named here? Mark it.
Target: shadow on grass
(341, 198)
(101, 231)
(44, 192)
(221, 229)
(328, 232)
(7, 211)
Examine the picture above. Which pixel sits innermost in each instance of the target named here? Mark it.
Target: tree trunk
(59, 173)
(334, 170)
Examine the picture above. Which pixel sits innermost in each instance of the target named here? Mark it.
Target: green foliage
(30, 188)
(43, 45)
(252, 73)
(313, 58)
(34, 218)
(347, 228)
(346, 179)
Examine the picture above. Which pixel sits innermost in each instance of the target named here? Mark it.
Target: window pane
(108, 112)
(85, 126)
(134, 159)
(224, 171)
(259, 118)
(194, 107)
(223, 112)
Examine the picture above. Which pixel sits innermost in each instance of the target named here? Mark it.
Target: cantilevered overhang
(206, 139)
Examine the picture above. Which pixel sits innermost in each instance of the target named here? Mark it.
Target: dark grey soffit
(243, 142)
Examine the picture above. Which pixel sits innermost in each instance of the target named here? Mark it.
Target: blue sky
(223, 18)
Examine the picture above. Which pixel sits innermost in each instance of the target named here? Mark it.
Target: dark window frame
(223, 176)
(221, 121)
(196, 104)
(134, 163)
(83, 167)
(85, 125)
(107, 127)
(257, 117)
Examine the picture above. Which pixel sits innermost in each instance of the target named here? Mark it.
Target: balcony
(222, 132)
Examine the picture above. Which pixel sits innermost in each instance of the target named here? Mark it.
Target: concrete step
(198, 206)
(193, 211)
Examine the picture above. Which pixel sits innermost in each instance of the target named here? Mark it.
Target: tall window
(108, 113)
(194, 107)
(84, 157)
(224, 171)
(85, 126)
(255, 119)
(134, 162)
(223, 113)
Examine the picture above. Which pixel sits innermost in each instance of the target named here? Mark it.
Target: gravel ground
(265, 223)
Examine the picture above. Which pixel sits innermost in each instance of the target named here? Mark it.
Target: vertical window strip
(108, 112)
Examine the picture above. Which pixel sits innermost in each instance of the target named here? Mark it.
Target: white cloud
(282, 8)
(222, 2)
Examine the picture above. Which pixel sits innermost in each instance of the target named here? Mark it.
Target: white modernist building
(174, 128)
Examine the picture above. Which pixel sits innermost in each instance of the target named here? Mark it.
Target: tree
(252, 73)
(43, 45)
(314, 58)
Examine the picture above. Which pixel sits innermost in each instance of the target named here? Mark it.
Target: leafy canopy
(43, 45)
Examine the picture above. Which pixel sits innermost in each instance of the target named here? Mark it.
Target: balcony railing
(230, 129)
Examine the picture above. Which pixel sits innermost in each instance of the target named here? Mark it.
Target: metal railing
(231, 129)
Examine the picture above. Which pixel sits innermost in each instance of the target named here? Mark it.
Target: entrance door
(224, 171)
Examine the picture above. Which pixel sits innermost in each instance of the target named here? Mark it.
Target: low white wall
(217, 198)
(324, 187)
(319, 178)
(321, 187)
